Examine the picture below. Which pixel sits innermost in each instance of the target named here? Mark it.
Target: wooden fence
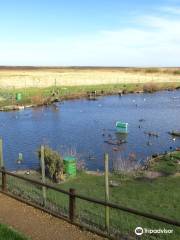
(73, 196)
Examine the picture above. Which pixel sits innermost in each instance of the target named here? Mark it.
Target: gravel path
(37, 224)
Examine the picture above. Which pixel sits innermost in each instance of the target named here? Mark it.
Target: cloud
(152, 41)
(171, 10)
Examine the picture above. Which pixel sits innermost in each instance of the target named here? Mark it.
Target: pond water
(84, 126)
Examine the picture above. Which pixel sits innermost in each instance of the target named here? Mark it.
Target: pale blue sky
(96, 33)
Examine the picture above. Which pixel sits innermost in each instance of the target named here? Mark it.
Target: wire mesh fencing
(86, 211)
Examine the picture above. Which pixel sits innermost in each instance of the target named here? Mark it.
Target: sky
(90, 33)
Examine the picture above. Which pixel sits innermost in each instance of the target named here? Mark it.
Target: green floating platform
(122, 127)
(70, 165)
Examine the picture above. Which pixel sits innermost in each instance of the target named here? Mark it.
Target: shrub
(176, 72)
(152, 70)
(81, 165)
(125, 165)
(40, 100)
(53, 163)
(37, 100)
(150, 87)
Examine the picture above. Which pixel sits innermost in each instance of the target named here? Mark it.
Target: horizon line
(84, 66)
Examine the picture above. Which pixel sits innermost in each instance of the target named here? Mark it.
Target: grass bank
(7, 233)
(168, 164)
(41, 96)
(157, 195)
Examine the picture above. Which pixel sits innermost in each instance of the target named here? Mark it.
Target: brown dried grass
(76, 77)
(37, 100)
(150, 87)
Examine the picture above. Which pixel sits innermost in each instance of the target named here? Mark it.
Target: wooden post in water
(1, 153)
(106, 174)
(43, 175)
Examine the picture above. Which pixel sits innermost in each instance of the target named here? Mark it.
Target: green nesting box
(18, 96)
(121, 127)
(70, 165)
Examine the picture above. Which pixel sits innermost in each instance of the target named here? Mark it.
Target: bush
(53, 163)
(150, 87)
(152, 70)
(176, 72)
(37, 100)
(81, 165)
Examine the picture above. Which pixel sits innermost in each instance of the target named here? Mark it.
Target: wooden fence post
(43, 175)
(4, 180)
(1, 154)
(72, 204)
(106, 174)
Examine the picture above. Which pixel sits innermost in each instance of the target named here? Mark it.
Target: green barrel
(18, 96)
(70, 165)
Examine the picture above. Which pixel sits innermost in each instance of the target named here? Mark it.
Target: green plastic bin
(18, 96)
(70, 165)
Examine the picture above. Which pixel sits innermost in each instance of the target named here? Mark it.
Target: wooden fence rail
(72, 200)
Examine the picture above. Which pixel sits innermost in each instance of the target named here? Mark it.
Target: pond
(84, 126)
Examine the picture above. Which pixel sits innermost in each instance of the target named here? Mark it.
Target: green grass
(73, 91)
(159, 196)
(7, 233)
(168, 164)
